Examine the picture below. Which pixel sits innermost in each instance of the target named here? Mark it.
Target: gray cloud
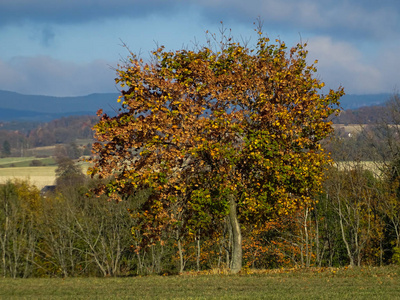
(342, 18)
(43, 75)
(75, 11)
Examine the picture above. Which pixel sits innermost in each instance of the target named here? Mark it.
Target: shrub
(36, 163)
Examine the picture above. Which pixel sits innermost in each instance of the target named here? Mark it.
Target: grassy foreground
(357, 283)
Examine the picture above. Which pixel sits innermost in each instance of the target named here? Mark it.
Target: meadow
(26, 161)
(325, 283)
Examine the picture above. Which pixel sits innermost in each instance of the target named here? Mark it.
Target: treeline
(70, 232)
(62, 233)
(64, 130)
(60, 131)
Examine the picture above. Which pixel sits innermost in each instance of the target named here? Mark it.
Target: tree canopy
(228, 134)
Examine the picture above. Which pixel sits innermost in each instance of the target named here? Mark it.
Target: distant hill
(13, 115)
(357, 101)
(19, 107)
(363, 115)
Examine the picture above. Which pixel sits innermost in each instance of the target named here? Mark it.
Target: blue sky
(71, 47)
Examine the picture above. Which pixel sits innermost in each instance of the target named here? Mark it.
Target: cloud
(77, 11)
(341, 18)
(342, 63)
(43, 75)
(388, 61)
(368, 19)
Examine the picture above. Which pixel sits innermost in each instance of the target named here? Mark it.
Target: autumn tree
(227, 131)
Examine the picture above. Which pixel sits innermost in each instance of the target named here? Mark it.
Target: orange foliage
(196, 127)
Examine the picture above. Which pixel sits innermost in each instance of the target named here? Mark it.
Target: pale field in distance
(39, 176)
(374, 167)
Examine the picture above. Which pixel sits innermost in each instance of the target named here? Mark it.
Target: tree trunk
(350, 255)
(181, 261)
(198, 253)
(4, 243)
(237, 237)
(228, 247)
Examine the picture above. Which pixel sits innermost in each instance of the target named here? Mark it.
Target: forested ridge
(67, 129)
(22, 136)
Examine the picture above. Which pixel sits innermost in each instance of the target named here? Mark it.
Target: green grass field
(357, 283)
(25, 161)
